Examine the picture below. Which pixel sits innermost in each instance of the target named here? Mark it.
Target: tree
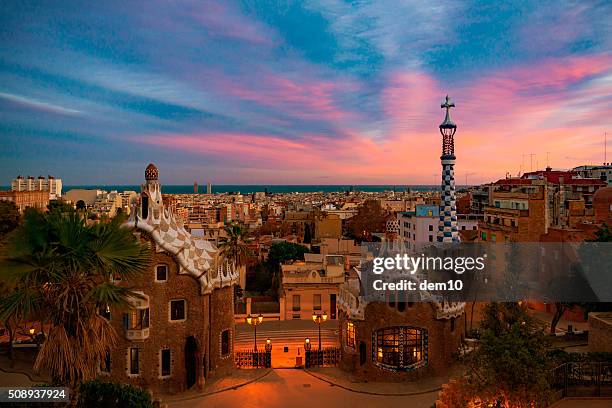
(560, 309)
(370, 218)
(510, 366)
(281, 252)
(285, 251)
(9, 217)
(102, 394)
(61, 270)
(59, 206)
(80, 205)
(234, 249)
(603, 234)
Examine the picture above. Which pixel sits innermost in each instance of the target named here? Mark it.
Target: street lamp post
(318, 319)
(254, 321)
(268, 359)
(307, 354)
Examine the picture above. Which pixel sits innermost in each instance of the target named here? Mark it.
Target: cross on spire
(447, 104)
(448, 122)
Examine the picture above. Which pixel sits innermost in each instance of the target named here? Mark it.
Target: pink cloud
(543, 108)
(306, 98)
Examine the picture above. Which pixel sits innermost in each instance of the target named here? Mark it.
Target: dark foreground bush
(101, 394)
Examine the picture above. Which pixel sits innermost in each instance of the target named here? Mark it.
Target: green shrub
(101, 394)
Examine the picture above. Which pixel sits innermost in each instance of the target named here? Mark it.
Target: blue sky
(299, 92)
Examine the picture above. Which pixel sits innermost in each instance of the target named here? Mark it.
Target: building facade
(24, 199)
(182, 328)
(603, 172)
(311, 287)
(394, 340)
(52, 185)
(421, 226)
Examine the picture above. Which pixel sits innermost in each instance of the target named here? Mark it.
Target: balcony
(136, 320)
(137, 334)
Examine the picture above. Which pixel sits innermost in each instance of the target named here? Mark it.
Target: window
(105, 365)
(316, 302)
(161, 273)
(431, 227)
(137, 319)
(296, 303)
(350, 334)
(177, 310)
(493, 238)
(483, 236)
(225, 342)
(400, 347)
(105, 312)
(431, 238)
(134, 361)
(145, 206)
(166, 362)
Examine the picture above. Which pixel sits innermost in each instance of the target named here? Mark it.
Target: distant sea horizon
(270, 188)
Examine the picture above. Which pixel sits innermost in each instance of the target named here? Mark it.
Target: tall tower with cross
(447, 226)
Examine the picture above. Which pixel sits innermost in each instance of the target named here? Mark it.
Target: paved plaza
(297, 389)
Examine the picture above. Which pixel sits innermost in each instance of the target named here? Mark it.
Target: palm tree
(62, 271)
(234, 249)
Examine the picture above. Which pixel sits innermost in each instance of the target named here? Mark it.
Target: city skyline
(319, 92)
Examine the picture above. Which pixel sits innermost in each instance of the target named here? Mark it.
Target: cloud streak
(321, 90)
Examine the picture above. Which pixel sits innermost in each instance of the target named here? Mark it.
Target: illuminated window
(350, 334)
(137, 319)
(400, 347)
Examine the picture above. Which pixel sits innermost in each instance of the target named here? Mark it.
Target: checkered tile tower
(447, 226)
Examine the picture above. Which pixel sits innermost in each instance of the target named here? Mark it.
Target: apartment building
(50, 184)
(311, 286)
(421, 226)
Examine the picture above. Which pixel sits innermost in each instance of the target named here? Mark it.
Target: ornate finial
(448, 122)
(151, 172)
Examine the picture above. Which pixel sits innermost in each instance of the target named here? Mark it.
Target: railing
(326, 357)
(253, 359)
(582, 379)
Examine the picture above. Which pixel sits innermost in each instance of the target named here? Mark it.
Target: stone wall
(600, 332)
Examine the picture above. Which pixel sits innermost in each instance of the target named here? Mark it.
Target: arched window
(400, 347)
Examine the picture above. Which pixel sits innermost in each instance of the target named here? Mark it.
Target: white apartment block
(50, 184)
(421, 226)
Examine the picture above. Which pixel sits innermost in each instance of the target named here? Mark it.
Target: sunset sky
(313, 92)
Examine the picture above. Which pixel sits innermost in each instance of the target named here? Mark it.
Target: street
(297, 389)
